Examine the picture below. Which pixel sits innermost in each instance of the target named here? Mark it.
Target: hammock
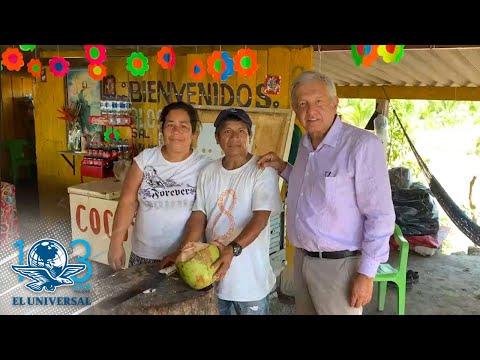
(457, 215)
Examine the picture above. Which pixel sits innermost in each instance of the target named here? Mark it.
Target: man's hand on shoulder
(272, 160)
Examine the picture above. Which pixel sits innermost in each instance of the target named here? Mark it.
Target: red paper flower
(96, 54)
(97, 72)
(59, 66)
(34, 67)
(245, 62)
(12, 58)
(166, 57)
(197, 71)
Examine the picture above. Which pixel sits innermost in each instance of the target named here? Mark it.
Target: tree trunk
(141, 290)
(472, 205)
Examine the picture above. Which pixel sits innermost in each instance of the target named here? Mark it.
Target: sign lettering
(223, 94)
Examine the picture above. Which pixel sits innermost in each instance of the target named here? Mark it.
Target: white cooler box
(92, 208)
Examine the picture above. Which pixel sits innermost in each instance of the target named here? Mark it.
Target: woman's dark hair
(190, 110)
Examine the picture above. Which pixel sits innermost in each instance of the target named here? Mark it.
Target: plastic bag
(400, 178)
(416, 211)
(120, 169)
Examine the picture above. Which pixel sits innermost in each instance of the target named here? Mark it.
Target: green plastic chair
(19, 157)
(387, 273)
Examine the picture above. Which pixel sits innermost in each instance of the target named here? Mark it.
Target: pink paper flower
(96, 54)
(59, 66)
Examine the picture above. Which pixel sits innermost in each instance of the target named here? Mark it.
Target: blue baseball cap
(233, 113)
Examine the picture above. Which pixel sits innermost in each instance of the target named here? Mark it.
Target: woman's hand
(116, 256)
(169, 260)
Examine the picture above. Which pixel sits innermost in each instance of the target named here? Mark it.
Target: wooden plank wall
(13, 85)
(54, 174)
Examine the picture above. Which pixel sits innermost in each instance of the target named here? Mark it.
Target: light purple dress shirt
(339, 196)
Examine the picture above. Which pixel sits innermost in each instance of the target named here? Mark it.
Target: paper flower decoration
(95, 54)
(215, 65)
(34, 67)
(220, 65)
(27, 47)
(245, 62)
(364, 54)
(97, 72)
(166, 57)
(12, 58)
(197, 71)
(391, 53)
(111, 135)
(137, 64)
(59, 66)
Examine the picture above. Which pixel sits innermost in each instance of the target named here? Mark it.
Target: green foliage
(356, 112)
(399, 152)
(414, 115)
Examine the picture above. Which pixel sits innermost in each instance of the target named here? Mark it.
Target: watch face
(237, 249)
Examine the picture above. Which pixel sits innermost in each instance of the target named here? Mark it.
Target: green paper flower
(137, 64)
(27, 47)
(111, 135)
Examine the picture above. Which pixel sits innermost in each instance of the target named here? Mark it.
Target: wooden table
(73, 153)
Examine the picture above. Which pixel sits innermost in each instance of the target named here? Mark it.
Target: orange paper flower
(364, 54)
(97, 72)
(245, 62)
(166, 57)
(12, 58)
(34, 67)
(197, 71)
(220, 65)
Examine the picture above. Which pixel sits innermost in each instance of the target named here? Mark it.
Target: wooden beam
(80, 54)
(150, 51)
(327, 48)
(410, 92)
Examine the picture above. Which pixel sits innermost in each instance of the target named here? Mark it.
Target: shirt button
(301, 194)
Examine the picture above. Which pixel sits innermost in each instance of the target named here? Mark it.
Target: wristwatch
(237, 249)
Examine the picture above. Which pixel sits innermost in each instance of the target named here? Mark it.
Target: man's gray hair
(308, 76)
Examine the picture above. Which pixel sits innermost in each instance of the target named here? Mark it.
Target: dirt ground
(448, 285)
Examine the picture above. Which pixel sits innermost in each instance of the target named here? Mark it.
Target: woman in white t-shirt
(159, 191)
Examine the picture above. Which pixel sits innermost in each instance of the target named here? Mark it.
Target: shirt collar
(330, 139)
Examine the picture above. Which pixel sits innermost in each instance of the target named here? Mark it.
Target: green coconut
(194, 264)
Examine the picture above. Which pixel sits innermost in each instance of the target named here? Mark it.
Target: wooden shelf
(73, 153)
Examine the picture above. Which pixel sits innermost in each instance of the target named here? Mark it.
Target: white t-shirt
(228, 198)
(165, 201)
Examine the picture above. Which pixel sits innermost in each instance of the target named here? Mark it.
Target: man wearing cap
(234, 201)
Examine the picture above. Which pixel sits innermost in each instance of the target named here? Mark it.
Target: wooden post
(383, 107)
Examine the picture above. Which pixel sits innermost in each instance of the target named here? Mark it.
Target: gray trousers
(323, 286)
